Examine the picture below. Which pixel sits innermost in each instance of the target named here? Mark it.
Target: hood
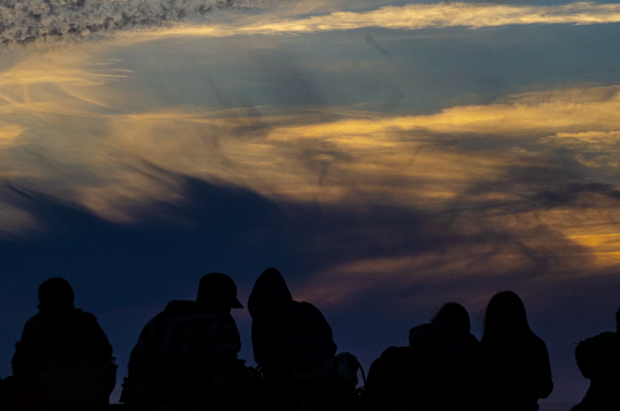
(270, 293)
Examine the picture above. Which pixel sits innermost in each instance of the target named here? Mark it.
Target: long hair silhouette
(505, 318)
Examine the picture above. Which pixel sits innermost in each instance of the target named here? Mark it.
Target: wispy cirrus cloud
(88, 130)
(420, 16)
(35, 20)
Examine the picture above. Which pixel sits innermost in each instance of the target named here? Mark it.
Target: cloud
(57, 19)
(420, 16)
(8, 133)
(86, 128)
(595, 149)
(422, 161)
(26, 21)
(477, 15)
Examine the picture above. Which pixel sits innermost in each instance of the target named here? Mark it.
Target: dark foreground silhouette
(187, 358)
(598, 359)
(188, 352)
(441, 363)
(445, 366)
(294, 347)
(516, 369)
(63, 357)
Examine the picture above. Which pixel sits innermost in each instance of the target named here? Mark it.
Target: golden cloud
(9, 133)
(489, 263)
(59, 82)
(62, 103)
(415, 17)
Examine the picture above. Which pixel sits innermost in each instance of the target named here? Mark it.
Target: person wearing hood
(447, 357)
(54, 345)
(292, 342)
(188, 352)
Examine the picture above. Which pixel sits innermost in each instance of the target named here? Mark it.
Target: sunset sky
(386, 156)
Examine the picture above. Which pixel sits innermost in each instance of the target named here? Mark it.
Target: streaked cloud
(476, 15)
(419, 16)
(77, 20)
(415, 160)
(83, 127)
(8, 133)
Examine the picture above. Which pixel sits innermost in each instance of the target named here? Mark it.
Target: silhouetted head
(269, 293)
(505, 315)
(454, 314)
(56, 294)
(220, 288)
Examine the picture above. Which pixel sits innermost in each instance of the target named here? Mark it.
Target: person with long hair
(517, 372)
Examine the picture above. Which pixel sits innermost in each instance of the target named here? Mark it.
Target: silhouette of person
(516, 361)
(63, 357)
(188, 352)
(293, 344)
(598, 359)
(392, 378)
(448, 358)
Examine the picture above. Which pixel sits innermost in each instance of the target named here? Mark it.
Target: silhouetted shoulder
(545, 382)
(63, 354)
(419, 334)
(188, 352)
(292, 342)
(598, 359)
(310, 310)
(47, 318)
(446, 356)
(516, 361)
(185, 307)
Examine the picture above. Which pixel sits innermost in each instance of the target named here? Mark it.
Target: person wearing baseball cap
(188, 352)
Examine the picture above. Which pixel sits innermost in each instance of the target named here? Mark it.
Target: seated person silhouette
(516, 363)
(598, 359)
(188, 352)
(448, 358)
(441, 363)
(293, 345)
(391, 378)
(63, 357)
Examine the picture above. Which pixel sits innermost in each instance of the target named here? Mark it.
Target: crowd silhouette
(188, 353)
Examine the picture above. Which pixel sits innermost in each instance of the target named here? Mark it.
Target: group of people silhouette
(188, 353)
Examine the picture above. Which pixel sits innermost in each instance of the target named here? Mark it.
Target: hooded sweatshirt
(287, 336)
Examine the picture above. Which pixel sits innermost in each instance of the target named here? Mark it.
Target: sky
(386, 156)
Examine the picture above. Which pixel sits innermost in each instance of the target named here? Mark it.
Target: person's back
(63, 357)
(292, 342)
(598, 359)
(448, 358)
(188, 352)
(392, 377)
(516, 361)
